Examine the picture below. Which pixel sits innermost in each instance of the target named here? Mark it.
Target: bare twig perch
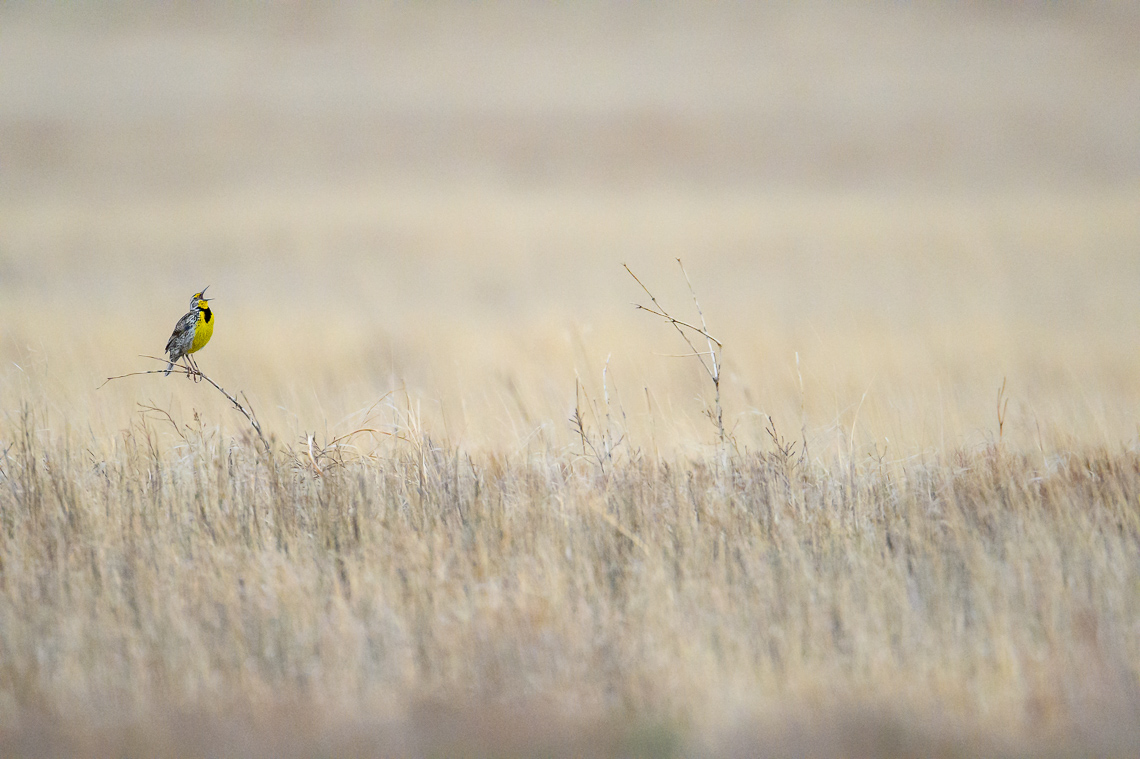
(710, 359)
(248, 413)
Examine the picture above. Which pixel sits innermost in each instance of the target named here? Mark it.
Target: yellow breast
(203, 331)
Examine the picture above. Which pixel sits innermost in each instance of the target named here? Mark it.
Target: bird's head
(199, 300)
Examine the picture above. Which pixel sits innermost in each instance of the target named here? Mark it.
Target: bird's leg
(197, 373)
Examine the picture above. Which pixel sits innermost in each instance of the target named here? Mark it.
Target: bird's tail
(169, 368)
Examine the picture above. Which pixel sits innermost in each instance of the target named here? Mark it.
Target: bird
(191, 332)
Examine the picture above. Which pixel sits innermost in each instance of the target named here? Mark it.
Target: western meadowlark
(191, 332)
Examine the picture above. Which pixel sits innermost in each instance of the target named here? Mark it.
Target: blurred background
(914, 200)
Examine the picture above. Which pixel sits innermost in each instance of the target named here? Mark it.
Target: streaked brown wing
(182, 330)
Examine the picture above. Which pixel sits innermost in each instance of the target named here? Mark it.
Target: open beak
(202, 294)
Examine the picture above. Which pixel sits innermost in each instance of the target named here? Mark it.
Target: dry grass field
(915, 230)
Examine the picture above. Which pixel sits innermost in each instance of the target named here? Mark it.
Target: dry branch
(713, 364)
(248, 413)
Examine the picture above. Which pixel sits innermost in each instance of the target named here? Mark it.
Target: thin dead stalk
(711, 359)
(603, 449)
(1002, 407)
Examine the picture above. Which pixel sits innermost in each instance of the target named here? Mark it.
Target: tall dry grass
(955, 602)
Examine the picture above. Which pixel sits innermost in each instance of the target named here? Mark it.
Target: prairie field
(486, 509)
